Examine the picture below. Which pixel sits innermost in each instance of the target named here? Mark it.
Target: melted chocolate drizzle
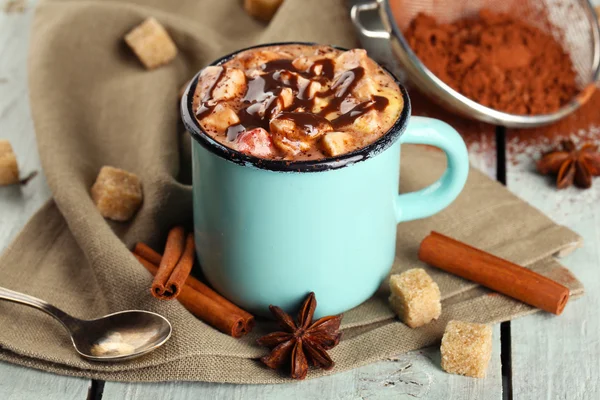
(342, 88)
(379, 103)
(284, 64)
(309, 122)
(327, 68)
(206, 106)
(260, 101)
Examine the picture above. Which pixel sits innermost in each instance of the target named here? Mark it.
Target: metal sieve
(573, 23)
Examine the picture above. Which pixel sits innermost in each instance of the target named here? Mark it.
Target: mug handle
(437, 196)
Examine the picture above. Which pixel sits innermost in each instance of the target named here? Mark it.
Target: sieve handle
(434, 198)
(355, 12)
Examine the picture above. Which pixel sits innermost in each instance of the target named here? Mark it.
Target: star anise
(303, 341)
(571, 164)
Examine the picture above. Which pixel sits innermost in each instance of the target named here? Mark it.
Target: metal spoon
(114, 337)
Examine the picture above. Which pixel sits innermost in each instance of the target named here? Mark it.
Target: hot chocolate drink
(297, 102)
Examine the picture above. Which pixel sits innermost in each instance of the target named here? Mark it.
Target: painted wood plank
(416, 375)
(20, 383)
(19, 203)
(559, 357)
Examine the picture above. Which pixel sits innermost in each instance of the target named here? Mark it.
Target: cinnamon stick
(203, 307)
(173, 252)
(182, 269)
(493, 272)
(143, 250)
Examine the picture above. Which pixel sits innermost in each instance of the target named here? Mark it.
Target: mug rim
(324, 164)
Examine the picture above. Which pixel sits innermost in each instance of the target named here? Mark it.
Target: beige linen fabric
(93, 104)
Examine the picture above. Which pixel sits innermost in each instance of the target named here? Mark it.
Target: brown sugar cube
(9, 169)
(117, 193)
(415, 297)
(151, 43)
(466, 348)
(262, 9)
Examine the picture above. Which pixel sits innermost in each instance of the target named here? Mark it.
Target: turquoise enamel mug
(272, 231)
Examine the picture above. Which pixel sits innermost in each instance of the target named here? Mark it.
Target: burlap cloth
(93, 105)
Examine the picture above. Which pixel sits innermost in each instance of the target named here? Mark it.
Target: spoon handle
(69, 322)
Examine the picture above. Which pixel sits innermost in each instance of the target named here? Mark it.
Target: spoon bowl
(121, 336)
(115, 337)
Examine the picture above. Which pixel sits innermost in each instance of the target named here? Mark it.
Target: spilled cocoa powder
(497, 60)
(581, 126)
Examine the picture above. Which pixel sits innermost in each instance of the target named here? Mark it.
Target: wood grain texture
(559, 357)
(416, 375)
(18, 202)
(19, 383)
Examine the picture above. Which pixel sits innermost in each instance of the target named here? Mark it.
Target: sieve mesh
(566, 20)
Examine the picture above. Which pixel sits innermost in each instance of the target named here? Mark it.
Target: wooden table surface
(535, 357)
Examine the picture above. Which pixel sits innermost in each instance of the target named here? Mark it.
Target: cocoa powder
(497, 60)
